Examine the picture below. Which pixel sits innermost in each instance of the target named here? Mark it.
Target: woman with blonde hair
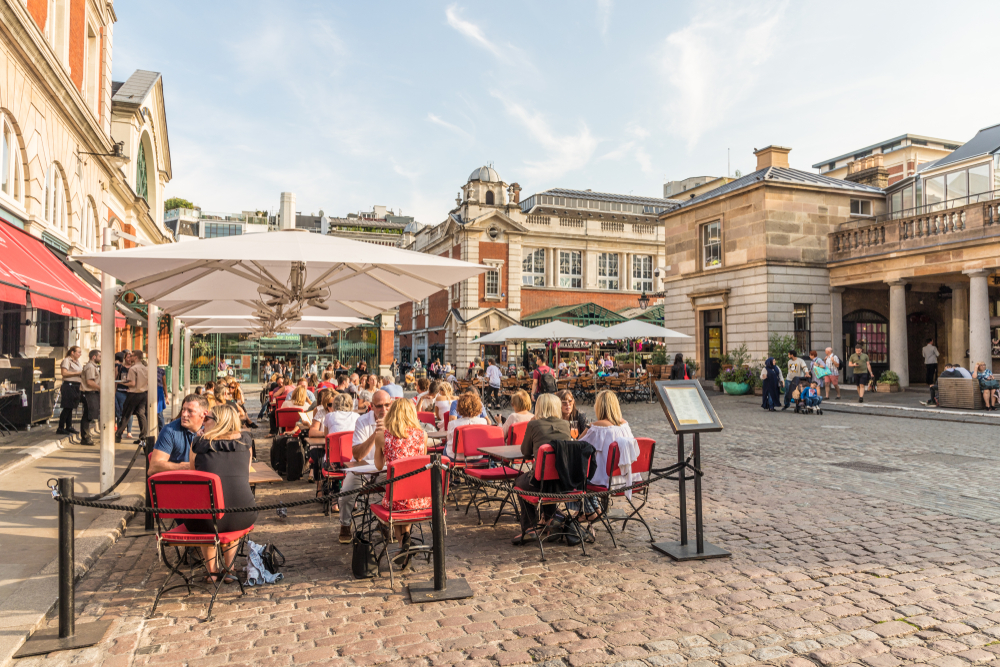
(299, 398)
(609, 427)
(224, 450)
(425, 402)
(987, 384)
(520, 401)
(401, 437)
(443, 399)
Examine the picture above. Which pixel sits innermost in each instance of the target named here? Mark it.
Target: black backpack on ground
(295, 460)
(547, 383)
(278, 447)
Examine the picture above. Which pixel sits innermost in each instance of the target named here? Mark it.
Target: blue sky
(350, 104)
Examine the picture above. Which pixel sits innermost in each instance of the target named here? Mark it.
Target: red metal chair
(191, 489)
(288, 419)
(427, 418)
(472, 438)
(643, 464)
(445, 420)
(411, 488)
(515, 434)
(547, 477)
(339, 452)
(611, 467)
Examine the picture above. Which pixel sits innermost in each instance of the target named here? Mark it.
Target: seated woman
(442, 400)
(224, 450)
(577, 420)
(547, 427)
(401, 437)
(520, 401)
(608, 428)
(323, 399)
(425, 402)
(987, 384)
(469, 411)
(299, 398)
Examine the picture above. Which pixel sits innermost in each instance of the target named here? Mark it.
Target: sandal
(591, 518)
(211, 579)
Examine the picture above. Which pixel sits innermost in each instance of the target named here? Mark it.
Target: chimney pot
(772, 156)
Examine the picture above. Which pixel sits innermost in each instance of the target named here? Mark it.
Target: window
(907, 197)
(711, 245)
(934, 192)
(55, 198)
(896, 202)
(642, 273)
(979, 179)
(958, 185)
(141, 188)
(214, 230)
(92, 68)
(51, 328)
(489, 197)
(88, 227)
(607, 271)
(11, 182)
(570, 269)
(803, 335)
(57, 28)
(493, 282)
(861, 207)
(533, 268)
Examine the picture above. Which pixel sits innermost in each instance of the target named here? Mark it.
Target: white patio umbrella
(633, 329)
(559, 330)
(515, 332)
(251, 323)
(597, 330)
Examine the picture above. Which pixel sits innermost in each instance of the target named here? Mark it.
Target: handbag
(992, 383)
(363, 563)
(686, 377)
(796, 393)
(273, 559)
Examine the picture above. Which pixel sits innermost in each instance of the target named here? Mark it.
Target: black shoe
(62, 431)
(861, 399)
(784, 408)
(73, 431)
(118, 439)
(87, 442)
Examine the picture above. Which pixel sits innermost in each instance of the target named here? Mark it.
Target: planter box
(888, 388)
(758, 391)
(736, 388)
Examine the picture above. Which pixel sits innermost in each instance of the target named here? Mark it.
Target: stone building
(557, 248)
(887, 161)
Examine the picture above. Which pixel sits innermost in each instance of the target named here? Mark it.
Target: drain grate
(941, 457)
(865, 467)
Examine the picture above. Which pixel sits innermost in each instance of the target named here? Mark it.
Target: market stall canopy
(639, 329)
(292, 271)
(27, 266)
(559, 330)
(516, 332)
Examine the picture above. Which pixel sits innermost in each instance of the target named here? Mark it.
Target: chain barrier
(52, 482)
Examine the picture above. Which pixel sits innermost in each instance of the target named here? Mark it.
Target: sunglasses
(381, 405)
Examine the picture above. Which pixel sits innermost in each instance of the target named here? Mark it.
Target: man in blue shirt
(173, 446)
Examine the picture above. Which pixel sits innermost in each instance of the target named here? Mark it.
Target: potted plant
(737, 381)
(888, 382)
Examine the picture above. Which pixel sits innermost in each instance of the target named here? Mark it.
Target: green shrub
(659, 356)
(779, 346)
(888, 377)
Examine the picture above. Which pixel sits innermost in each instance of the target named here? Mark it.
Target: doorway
(712, 345)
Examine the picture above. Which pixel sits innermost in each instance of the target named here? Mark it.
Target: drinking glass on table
(573, 433)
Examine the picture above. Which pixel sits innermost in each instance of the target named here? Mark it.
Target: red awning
(26, 265)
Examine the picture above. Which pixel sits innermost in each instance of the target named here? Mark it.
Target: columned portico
(979, 318)
(958, 332)
(898, 351)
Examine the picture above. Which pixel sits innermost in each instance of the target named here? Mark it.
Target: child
(811, 397)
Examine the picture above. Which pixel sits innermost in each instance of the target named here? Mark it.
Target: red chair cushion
(402, 516)
(492, 474)
(596, 488)
(180, 535)
(533, 500)
(334, 474)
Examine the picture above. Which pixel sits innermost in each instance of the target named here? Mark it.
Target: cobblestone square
(831, 565)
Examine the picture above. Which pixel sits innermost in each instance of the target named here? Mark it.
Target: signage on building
(283, 337)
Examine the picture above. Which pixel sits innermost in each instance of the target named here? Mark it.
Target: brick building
(555, 248)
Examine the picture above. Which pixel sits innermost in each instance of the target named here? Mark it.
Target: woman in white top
(609, 427)
(521, 403)
(323, 399)
(341, 415)
(426, 401)
(469, 409)
(442, 400)
(300, 399)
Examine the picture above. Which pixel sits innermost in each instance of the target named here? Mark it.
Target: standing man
(862, 369)
(136, 385)
(363, 451)
(832, 365)
(493, 378)
(931, 355)
(90, 386)
(173, 445)
(797, 369)
(539, 383)
(69, 393)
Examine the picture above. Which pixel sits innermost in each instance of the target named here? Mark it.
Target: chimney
(515, 190)
(772, 156)
(286, 213)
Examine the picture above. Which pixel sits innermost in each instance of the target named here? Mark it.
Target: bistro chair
(427, 418)
(515, 434)
(339, 452)
(547, 477)
(474, 437)
(411, 488)
(612, 469)
(288, 419)
(642, 465)
(191, 489)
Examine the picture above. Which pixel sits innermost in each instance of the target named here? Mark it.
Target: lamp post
(644, 298)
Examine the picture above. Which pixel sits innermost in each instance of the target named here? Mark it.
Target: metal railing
(937, 207)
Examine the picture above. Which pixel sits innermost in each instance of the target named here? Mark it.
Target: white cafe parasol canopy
(640, 329)
(515, 332)
(559, 330)
(284, 275)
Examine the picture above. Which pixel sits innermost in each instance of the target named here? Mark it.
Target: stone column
(979, 319)
(837, 321)
(386, 334)
(899, 357)
(959, 325)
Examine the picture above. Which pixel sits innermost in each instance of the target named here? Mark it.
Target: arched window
(11, 174)
(489, 197)
(141, 188)
(55, 198)
(89, 226)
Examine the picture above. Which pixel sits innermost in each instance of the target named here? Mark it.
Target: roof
(986, 141)
(574, 314)
(782, 175)
(607, 196)
(485, 174)
(918, 137)
(135, 90)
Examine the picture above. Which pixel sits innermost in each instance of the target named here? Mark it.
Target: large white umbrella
(290, 271)
(515, 332)
(251, 324)
(597, 330)
(559, 330)
(640, 329)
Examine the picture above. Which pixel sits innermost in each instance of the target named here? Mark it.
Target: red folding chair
(547, 477)
(288, 419)
(515, 434)
(339, 452)
(411, 488)
(445, 420)
(473, 438)
(611, 467)
(642, 465)
(191, 489)
(427, 418)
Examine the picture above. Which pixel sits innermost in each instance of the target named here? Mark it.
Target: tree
(177, 202)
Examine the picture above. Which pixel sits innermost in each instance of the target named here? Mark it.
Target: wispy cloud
(630, 149)
(604, 8)
(449, 126)
(714, 62)
(505, 53)
(564, 153)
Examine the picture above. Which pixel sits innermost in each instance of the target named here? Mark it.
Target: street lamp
(644, 298)
(116, 157)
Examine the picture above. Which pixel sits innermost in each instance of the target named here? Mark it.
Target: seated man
(949, 371)
(363, 452)
(173, 445)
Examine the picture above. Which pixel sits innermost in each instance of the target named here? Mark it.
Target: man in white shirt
(494, 378)
(364, 452)
(72, 369)
(797, 368)
(931, 355)
(833, 365)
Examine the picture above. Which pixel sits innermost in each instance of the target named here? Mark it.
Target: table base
(457, 589)
(681, 552)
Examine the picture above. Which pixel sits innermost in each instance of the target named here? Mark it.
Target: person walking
(931, 355)
(493, 381)
(862, 369)
(136, 385)
(797, 369)
(772, 381)
(679, 371)
(833, 365)
(72, 371)
(90, 390)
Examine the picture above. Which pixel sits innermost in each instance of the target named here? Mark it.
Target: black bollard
(68, 635)
(438, 588)
(147, 450)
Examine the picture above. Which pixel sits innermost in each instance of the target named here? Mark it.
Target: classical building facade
(556, 248)
(888, 161)
(60, 118)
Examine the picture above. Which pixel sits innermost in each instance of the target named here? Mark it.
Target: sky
(352, 104)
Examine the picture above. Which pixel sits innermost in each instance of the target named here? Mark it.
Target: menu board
(687, 406)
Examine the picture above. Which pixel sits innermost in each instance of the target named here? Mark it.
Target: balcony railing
(973, 217)
(196, 213)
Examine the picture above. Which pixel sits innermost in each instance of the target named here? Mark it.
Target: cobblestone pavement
(890, 568)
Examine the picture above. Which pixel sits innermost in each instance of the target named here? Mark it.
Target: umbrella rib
(386, 283)
(163, 275)
(267, 273)
(335, 267)
(212, 268)
(183, 307)
(400, 272)
(357, 273)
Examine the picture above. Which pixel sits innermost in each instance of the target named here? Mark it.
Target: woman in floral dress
(401, 437)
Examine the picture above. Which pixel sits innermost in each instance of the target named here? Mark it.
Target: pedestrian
(136, 385)
(679, 371)
(832, 363)
(90, 389)
(493, 381)
(931, 355)
(862, 369)
(797, 369)
(72, 371)
(772, 381)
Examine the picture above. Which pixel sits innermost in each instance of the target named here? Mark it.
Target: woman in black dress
(679, 369)
(225, 451)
